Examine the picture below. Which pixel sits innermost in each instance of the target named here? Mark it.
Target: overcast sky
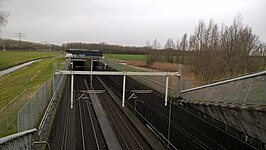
(124, 22)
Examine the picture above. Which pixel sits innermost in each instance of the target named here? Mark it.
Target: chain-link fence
(188, 84)
(9, 112)
(30, 114)
(154, 82)
(248, 90)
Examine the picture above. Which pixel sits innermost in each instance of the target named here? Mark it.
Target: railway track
(87, 131)
(127, 134)
(187, 130)
(59, 137)
(156, 113)
(76, 128)
(65, 129)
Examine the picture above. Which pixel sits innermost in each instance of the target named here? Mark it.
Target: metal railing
(22, 140)
(58, 91)
(244, 90)
(59, 81)
(154, 82)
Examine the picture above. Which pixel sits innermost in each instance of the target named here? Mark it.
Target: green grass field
(12, 58)
(35, 74)
(14, 83)
(158, 58)
(125, 57)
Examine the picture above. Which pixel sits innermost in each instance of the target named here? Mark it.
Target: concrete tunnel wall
(251, 122)
(84, 65)
(87, 65)
(78, 65)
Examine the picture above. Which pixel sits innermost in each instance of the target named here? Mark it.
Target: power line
(20, 35)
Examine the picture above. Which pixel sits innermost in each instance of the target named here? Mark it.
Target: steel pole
(124, 90)
(54, 76)
(72, 91)
(105, 66)
(179, 80)
(166, 91)
(91, 74)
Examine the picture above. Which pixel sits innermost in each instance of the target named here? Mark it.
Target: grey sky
(125, 22)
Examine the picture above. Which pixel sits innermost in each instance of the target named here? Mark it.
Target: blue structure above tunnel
(84, 53)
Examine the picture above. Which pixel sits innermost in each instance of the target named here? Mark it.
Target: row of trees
(217, 51)
(229, 50)
(107, 48)
(170, 44)
(7, 44)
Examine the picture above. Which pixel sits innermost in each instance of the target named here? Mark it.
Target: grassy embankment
(35, 74)
(14, 83)
(12, 58)
(126, 57)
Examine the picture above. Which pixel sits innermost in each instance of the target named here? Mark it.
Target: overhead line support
(115, 73)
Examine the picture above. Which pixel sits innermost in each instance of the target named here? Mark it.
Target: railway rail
(178, 126)
(87, 131)
(127, 134)
(59, 135)
(187, 130)
(77, 128)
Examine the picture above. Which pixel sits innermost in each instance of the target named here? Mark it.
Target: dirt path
(9, 70)
(162, 66)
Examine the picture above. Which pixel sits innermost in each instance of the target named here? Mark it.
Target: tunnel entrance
(84, 59)
(78, 65)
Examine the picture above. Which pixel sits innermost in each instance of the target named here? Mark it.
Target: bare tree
(156, 45)
(199, 35)
(148, 44)
(184, 42)
(178, 45)
(261, 54)
(222, 52)
(249, 42)
(192, 43)
(183, 47)
(229, 45)
(237, 43)
(3, 17)
(211, 37)
(205, 61)
(169, 44)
